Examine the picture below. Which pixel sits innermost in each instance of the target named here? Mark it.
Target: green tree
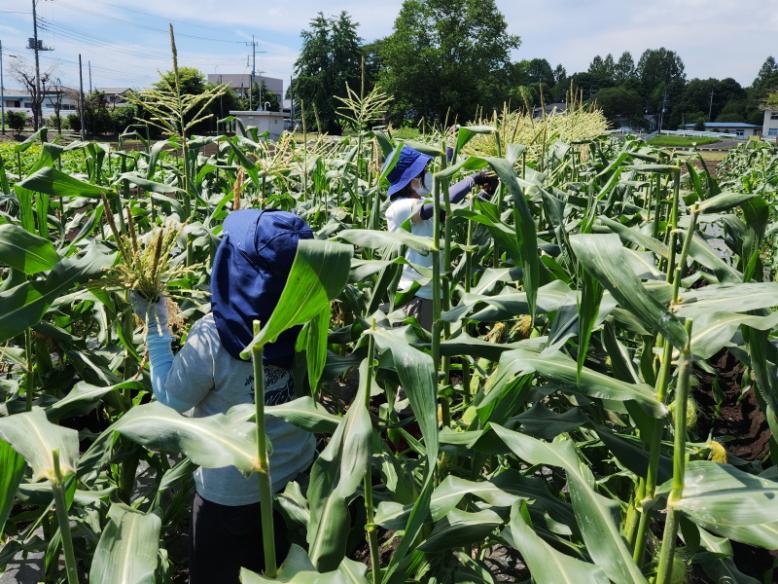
(447, 57)
(621, 104)
(658, 67)
(661, 74)
(192, 80)
(767, 78)
(624, 70)
(267, 97)
(329, 59)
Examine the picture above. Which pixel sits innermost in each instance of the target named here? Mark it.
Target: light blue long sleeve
(161, 360)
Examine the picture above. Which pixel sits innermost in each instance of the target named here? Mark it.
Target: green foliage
(329, 61)
(446, 58)
(533, 419)
(621, 103)
(16, 120)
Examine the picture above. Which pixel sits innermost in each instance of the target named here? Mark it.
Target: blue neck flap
(250, 270)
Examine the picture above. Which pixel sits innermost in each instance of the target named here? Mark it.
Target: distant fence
(701, 134)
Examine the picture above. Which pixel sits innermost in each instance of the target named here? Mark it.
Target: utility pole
(39, 109)
(253, 74)
(89, 66)
(710, 106)
(81, 93)
(291, 101)
(253, 70)
(662, 113)
(2, 91)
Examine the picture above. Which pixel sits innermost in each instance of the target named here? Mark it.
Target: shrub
(74, 122)
(16, 120)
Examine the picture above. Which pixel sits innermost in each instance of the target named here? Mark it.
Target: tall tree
(329, 60)
(447, 54)
(662, 76)
(767, 78)
(624, 71)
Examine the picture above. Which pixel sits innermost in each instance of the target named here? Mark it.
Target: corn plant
(548, 428)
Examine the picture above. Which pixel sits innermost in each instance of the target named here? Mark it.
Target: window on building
(740, 133)
(28, 104)
(772, 132)
(774, 115)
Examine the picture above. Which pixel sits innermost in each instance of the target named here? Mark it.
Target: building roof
(114, 90)
(733, 125)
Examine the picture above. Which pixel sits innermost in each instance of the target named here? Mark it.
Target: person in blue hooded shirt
(409, 183)
(207, 376)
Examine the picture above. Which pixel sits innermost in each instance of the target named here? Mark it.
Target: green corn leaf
(146, 184)
(51, 181)
(392, 240)
(335, 476)
(593, 512)
(298, 569)
(446, 497)
(417, 376)
(84, 397)
(723, 202)
(604, 257)
(128, 547)
(11, 472)
(558, 367)
(727, 298)
(460, 528)
(35, 438)
(588, 311)
(24, 305)
(212, 442)
(731, 503)
(305, 413)
(24, 251)
(319, 272)
(547, 565)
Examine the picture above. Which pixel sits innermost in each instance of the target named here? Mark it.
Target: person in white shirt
(410, 182)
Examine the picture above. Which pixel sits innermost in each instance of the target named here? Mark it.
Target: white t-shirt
(396, 214)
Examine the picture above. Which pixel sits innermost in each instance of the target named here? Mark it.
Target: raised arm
(179, 381)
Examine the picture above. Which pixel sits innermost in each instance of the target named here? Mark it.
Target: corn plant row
(543, 430)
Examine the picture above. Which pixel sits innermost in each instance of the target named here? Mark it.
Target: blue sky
(126, 41)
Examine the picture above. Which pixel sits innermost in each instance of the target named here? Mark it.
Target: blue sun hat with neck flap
(410, 164)
(250, 269)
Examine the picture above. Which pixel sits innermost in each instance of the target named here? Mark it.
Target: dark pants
(225, 538)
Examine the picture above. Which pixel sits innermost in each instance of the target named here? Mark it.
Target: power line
(155, 29)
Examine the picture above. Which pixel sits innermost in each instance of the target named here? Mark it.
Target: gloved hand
(153, 313)
(488, 181)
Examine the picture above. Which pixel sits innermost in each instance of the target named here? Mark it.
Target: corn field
(545, 430)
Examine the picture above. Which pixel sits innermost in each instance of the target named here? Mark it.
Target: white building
(737, 129)
(20, 100)
(271, 122)
(770, 124)
(240, 83)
